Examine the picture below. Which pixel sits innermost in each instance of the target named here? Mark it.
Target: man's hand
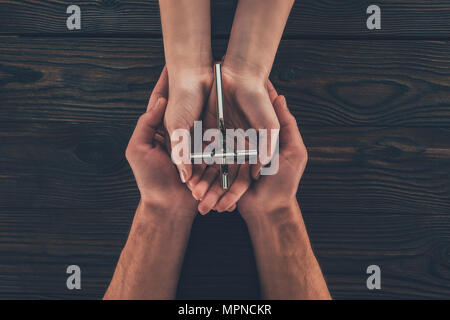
(150, 262)
(156, 175)
(287, 266)
(277, 191)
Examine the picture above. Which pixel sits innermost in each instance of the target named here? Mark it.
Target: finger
(180, 143)
(197, 172)
(232, 208)
(180, 147)
(148, 122)
(273, 94)
(214, 193)
(208, 177)
(185, 170)
(237, 189)
(159, 138)
(161, 89)
(267, 145)
(212, 196)
(282, 111)
(289, 132)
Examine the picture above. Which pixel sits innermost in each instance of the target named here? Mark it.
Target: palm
(244, 108)
(245, 105)
(284, 184)
(184, 107)
(158, 177)
(278, 190)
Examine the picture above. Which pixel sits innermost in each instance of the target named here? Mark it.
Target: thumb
(268, 137)
(289, 132)
(180, 143)
(148, 122)
(161, 89)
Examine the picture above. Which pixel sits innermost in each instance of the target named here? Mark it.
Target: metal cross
(222, 155)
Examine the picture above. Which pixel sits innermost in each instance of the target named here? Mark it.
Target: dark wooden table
(373, 107)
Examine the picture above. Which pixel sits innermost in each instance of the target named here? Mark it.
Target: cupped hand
(156, 175)
(277, 191)
(247, 104)
(188, 94)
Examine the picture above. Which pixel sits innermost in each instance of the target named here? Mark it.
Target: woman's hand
(189, 92)
(186, 27)
(247, 104)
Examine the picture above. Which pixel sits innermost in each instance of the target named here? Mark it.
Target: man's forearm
(186, 26)
(150, 262)
(286, 263)
(257, 29)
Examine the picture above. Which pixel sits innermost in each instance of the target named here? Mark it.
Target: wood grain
(309, 18)
(37, 246)
(61, 165)
(327, 83)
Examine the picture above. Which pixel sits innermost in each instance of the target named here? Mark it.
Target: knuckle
(135, 151)
(301, 154)
(216, 191)
(304, 155)
(142, 118)
(198, 192)
(202, 208)
(206, 205)
(232, 194)
(129, 153)
(292, 119)
(302, 151)
(223, 205)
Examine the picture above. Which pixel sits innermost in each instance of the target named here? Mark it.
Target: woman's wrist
(192, 78)
(184, 65)
(186, 27)
(246, 69)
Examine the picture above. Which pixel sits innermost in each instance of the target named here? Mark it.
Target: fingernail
(183, 176)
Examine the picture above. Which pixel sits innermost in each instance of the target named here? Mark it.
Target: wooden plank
(344, 18)
(39, 244)
(327, 83)
(61, 165)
